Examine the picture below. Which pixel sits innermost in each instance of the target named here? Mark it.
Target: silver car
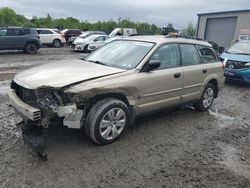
(106, 91)
(81, 44)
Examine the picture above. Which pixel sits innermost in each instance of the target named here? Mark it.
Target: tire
(206, 99)
(31, 48)
(101, 124)
(85, 50)
(57, 43)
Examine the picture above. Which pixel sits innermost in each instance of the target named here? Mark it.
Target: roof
(160, 39)
(46, 28)
(224, 12)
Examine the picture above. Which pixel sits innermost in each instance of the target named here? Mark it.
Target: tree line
(9, 17)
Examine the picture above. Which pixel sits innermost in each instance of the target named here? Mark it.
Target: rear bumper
(22, 108)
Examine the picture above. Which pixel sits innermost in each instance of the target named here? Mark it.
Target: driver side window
(168, 55)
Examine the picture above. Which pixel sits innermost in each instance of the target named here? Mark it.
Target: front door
(161, 88)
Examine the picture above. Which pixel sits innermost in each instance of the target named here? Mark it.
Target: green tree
(9, 17)
(189, 30)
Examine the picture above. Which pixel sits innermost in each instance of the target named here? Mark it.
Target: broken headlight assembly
(52, 99)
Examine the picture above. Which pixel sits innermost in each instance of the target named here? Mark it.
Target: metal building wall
(243, 21)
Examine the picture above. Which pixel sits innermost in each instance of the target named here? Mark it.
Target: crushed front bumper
(32, 134)
(25, 110)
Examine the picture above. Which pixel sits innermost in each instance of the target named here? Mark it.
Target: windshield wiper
(97, 62)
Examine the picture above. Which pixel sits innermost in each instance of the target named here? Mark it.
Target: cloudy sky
(159, 12)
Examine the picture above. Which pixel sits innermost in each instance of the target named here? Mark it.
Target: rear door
(16, 38)
(46, 36)
(161, 88)
(198, 63)
(193, 72)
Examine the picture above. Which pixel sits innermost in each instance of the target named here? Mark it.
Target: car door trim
(160, 93)
(158, 101)
(191, 86)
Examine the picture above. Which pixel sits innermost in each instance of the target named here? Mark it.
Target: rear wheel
(107, 120)
(57, 43)
(206, 99)
(31, 48)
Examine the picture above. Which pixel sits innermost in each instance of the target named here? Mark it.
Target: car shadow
(237, 84)
(57, 134)
(12, 52)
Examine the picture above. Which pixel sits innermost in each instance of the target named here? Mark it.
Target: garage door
(221, 30)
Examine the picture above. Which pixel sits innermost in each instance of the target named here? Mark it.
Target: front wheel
(206, 99)
(107, 120)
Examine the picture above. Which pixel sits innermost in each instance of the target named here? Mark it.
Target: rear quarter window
(207, 54)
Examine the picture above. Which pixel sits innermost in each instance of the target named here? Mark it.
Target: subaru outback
(107, 90)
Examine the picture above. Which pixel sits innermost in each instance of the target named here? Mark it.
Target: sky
(159, 12)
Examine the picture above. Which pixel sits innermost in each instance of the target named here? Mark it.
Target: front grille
(26, 95)
(235, 65)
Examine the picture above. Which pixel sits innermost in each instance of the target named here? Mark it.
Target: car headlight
(247, 64)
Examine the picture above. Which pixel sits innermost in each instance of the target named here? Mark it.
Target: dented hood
(62, 73)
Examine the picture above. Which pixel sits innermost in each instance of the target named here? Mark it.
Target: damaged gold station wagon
(104, 92)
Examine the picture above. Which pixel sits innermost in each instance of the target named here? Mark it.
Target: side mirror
(151, 65)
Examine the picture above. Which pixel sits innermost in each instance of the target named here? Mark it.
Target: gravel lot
(174, 148)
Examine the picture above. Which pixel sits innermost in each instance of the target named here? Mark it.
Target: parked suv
(104, 92)
(67, 33)
(19, 39)
(51, 37)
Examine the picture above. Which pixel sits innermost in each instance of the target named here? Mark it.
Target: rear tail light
(62, 35)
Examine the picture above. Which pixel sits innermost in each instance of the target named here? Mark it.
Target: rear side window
(57, 31)
(207, 53)
(17, 32)
(168, 55)
(42, 32)
(189, 55)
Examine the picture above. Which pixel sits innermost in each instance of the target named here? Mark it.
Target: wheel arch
(215, 84)
(116, 95)
(33, 42)
(213, 79)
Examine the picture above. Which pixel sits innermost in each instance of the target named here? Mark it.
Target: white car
(81, 44)
(51, 37)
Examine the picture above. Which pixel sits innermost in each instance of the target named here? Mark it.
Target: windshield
(240, 48)
(84, 35)
(121, 54)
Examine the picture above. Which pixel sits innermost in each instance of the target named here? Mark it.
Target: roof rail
(181, 36)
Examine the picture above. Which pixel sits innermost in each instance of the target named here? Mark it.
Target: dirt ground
(174, 148)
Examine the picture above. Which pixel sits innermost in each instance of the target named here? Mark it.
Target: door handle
(177, 75)
(204, 71)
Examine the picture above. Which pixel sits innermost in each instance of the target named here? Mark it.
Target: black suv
(24, 39)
